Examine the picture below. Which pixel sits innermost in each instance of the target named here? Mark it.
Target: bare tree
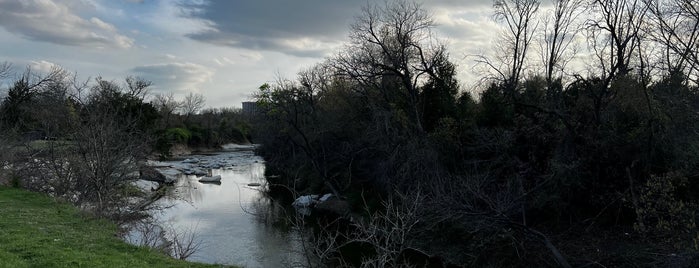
(166, 104)
(5, 68)
(518, 17)
(146, 233)
(108, 153)
(137, 87)
(179, 243)
(615, 34)
(183, 242)
(385, 236)
(315, 81)
(560, 28)
(192, 103)
(390, 230)
(392, 49)
(98, 153)
(677, 30)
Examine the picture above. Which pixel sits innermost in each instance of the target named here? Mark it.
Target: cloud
(471, 4)
(309, 28)
(177, 76)
(300, 47)
(473, 29)
(56, 22)
(43, 66)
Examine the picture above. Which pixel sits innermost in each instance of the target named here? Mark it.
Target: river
(233, 222)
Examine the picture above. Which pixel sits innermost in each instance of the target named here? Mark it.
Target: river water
(233, 222)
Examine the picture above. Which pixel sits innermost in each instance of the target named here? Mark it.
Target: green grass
(36, 231)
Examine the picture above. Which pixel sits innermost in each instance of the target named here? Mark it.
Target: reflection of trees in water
(145, 232)
(178, 242)
(187, 190)
(268, 212)
(277, 220)
(256, 172)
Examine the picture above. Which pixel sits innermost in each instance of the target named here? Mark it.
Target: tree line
(551, 164)
(86, 141)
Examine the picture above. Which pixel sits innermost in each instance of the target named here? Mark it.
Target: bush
(663, 216)
(178, 135)
(169, 137)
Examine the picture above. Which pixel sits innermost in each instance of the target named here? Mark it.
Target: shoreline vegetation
(559, 166)
(38, 231)
(578, 148)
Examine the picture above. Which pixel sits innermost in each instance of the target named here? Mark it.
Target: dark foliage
(539, 171)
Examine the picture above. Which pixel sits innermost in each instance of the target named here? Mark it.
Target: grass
(37, 231)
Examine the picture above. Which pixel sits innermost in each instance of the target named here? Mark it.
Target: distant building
(250, 108)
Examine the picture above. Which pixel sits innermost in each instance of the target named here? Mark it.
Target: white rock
(170, 174)
(325, 197)
(191, 161)
(305, 201)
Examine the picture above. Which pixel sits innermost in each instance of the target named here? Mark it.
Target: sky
(223, 49)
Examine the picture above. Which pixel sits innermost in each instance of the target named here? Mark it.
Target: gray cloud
(55, 22)
(177, 77)
(308, 28)
(300, 28)
(460, 3)
(43, 66)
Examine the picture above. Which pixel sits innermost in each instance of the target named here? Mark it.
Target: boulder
(216, 178)
(325, 197)
(304, 204)
(190, 161)
(171, 175)
(305, 201)
(151, 174)
(333, 205)
(199, 172)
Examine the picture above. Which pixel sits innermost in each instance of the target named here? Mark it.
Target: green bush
(178, 135)
(169, 137)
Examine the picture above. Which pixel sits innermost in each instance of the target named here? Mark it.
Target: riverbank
(37, 231)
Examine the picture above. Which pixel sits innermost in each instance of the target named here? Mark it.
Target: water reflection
(235, 222)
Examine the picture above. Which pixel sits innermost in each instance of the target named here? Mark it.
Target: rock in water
(304, 203)
(171, 175)
(325, 197)
(151, 174)
(216, 178)
(190, 161)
